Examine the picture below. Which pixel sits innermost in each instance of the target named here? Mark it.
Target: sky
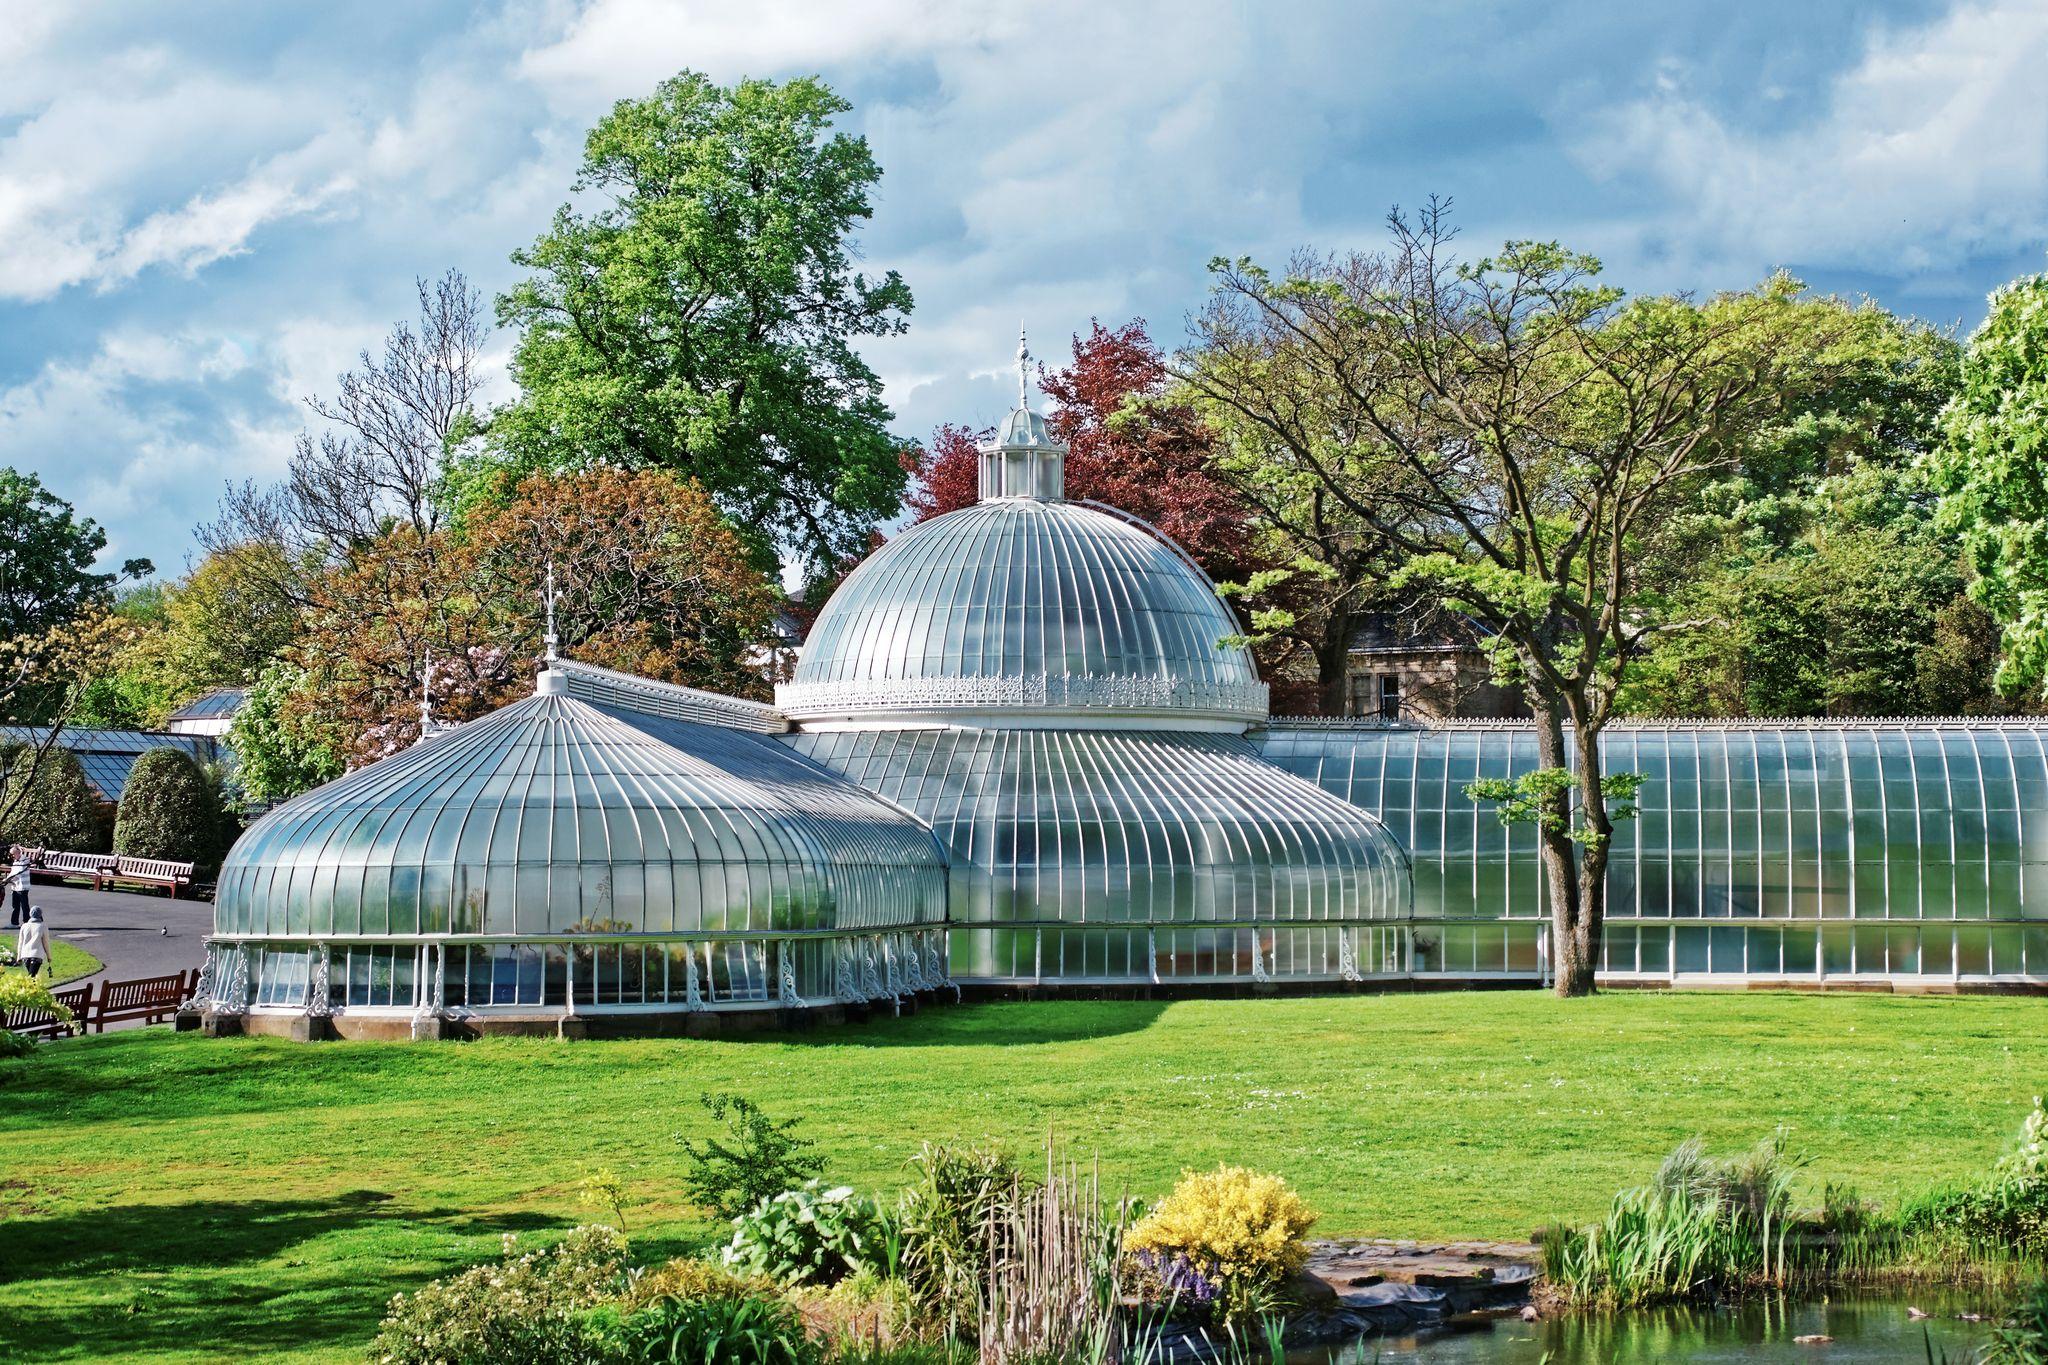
(207, 209)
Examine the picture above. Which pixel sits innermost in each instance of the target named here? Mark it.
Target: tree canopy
(700, 315)
(1521, 439)
(1991, 469)
(46, 558)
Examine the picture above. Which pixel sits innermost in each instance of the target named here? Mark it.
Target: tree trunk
(1596, 842)
(1333, 662)
(1571, 968)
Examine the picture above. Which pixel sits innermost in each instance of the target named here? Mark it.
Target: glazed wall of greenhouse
(1138, 857)
(1888, 851)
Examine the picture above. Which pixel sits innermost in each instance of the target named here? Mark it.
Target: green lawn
(66, 962)
(166, 1197)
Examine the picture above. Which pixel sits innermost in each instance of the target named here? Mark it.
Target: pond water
(1864, 1330)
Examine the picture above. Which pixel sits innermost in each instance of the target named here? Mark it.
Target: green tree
(279, 752)
(1991, 470)
(168, 810)
(46, 558)
(48, 802)
(700, 316)
(1523, 437)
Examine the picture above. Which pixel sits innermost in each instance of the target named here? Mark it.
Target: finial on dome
(549, 638)
(427, 728)
(1022, 458)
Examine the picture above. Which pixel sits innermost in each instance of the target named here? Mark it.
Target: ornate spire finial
(549, 639)
(427, 695)
(1023, 374)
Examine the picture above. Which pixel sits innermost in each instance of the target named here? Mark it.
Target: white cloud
(616, 47)
(1931, 149)
(142, 434)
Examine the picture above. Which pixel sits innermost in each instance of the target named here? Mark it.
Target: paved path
(133, 933)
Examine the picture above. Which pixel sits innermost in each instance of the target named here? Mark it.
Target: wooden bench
(175, 877)
(152, 999)
(77, 999)
(70, 866)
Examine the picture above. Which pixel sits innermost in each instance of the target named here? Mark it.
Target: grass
(169, 1198)
(67, 963)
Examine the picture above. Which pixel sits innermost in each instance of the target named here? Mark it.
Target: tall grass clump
(1701, 1228)
(1052, 1290)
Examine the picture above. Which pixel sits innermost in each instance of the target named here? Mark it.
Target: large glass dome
(1029, 605)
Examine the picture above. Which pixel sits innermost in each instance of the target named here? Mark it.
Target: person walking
(33, 947)
(17, 889)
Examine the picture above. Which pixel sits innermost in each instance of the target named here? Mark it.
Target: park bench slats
(108, 869)
(35, 1023)
(152, 999)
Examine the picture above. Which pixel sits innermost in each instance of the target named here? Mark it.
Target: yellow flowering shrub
(1238, 1231)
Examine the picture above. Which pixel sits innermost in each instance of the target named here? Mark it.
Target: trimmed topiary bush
(168, 810)
(54, 807)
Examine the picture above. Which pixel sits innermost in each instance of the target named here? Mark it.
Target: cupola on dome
(1026, 608)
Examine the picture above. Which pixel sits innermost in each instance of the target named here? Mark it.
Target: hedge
(59, 808)
(168, 810)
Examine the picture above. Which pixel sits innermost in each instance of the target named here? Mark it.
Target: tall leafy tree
(1522, 436)
(697, 311)
(1814, 568)
(46, 558)
(1992, 472)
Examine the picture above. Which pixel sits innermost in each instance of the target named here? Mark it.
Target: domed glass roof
(554, 816)
(1025, 604)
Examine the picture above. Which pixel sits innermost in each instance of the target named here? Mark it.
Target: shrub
(168, 810)
(20, 991)
(2003, 1215)
(526, 1309)
(866, 1307)
(2022, 1339)
(53, 806)
(811, 1235)
(946, 1214)
(15, 1044)
(1238, 1231)
(749, 1330)
(691, 1277)
(763, 1159)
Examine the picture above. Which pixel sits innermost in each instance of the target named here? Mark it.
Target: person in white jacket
(33, 947)
(17, 889)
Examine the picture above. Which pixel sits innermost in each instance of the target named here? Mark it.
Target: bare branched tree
(390, 425)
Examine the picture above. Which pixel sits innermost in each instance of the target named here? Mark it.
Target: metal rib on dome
(1020, 606)
(553, 816)
(1138, 855)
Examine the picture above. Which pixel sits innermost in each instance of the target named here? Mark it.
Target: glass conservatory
(1023, 747)
(560, 857)
(1800, 851)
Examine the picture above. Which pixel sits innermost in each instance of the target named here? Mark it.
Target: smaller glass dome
(553, 816)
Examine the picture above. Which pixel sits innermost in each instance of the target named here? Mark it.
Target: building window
(1390, 696)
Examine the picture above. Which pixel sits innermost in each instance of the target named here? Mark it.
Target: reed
(1052, 1287)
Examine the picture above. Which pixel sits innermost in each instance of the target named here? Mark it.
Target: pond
(1865, 1329)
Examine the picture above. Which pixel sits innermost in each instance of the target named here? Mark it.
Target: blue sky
(207, 209)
